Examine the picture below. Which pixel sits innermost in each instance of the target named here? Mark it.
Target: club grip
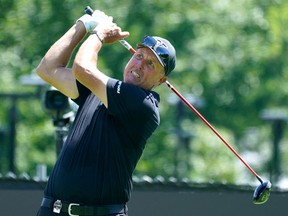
(88, 10)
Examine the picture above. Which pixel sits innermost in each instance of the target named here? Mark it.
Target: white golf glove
(91, 22)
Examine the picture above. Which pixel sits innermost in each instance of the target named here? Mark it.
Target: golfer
(93, 172)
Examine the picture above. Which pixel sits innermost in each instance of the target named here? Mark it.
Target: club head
(262, 192)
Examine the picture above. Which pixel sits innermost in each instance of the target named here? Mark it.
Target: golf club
(262, 192)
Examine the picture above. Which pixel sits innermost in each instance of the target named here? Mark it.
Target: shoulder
(131, 97)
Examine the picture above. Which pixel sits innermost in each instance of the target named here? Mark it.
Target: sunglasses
(159, 48)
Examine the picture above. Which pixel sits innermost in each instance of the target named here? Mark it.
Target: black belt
(74, 209)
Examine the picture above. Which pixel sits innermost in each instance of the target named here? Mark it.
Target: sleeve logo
(119, 87)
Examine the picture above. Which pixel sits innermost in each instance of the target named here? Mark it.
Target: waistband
(75, 209)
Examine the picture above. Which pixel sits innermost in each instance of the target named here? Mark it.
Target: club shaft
(88, 10)
(127, 46)
(212, 128)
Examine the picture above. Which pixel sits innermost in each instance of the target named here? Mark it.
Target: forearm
(85, 64)
(85, 68)
(88, 52)
(60, 52)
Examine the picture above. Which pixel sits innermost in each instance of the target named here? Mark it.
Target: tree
(231, 54)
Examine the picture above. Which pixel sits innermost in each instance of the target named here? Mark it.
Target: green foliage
(232, 54)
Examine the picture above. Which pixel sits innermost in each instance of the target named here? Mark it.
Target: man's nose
(139, 64)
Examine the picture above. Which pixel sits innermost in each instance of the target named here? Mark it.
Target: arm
(85, 67)
(52, 67)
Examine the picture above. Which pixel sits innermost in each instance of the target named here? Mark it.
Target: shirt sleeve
(125, 98)
(135, 107)
(83, 94)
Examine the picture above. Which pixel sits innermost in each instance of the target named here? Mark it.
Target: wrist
(99, 34)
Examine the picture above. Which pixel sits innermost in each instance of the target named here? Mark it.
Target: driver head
(262, 192)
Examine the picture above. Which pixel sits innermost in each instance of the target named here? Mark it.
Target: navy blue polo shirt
(96, 163)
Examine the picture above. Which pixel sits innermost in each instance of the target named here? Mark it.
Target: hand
(112, 33)
(100, 17)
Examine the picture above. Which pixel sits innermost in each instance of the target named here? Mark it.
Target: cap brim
(140, 45)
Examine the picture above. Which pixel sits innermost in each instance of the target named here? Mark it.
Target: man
(93, 173)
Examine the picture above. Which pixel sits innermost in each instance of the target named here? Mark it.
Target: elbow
(40, 70)
(43, 71)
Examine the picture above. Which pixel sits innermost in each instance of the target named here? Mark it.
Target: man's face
(144, 70)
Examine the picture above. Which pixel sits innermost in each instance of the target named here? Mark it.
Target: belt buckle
(57, 206)
(70, 208)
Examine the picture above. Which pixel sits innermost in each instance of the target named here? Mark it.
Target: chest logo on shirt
(119, 87)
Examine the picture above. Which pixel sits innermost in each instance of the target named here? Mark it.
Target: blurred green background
(231, 64)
